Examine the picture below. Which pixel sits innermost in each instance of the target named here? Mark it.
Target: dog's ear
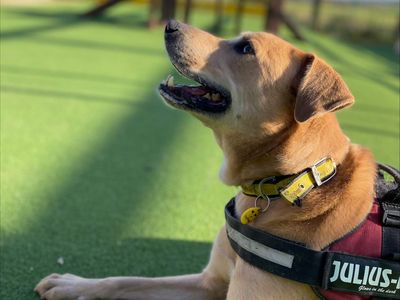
(319, 89)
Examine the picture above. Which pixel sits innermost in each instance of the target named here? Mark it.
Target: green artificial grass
(95, 169)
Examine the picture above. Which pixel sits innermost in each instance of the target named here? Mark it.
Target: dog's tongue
(196, 91)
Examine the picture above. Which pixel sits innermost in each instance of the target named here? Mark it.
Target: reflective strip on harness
(325, 269)
(265, 252)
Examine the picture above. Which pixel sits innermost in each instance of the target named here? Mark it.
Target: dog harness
(364, 264)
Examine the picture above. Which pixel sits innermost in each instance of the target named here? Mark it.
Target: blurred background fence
(365, 20)
(373, 20)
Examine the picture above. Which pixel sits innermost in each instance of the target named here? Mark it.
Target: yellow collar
(295, 187)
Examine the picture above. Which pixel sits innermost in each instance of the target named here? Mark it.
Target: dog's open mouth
(203, 97)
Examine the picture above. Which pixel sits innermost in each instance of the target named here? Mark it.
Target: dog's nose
(172, 26)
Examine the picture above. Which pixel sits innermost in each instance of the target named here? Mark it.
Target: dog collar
(292, 188)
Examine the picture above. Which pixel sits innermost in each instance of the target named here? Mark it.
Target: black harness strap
(325, 269)
(279, 255)
(391, 243)
(388, 193)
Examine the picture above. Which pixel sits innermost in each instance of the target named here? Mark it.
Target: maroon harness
(366, 240)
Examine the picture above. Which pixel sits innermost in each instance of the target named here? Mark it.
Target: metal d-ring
(262, 194)
(268, 203)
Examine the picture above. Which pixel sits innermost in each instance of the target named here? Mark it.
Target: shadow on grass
(130, 20)
(121, 18)
(61, 19)
(21, 33)
(96, 45)
(69, 74)
(58, 20)
(375, 109)
(384, 52)
(83, 219)
(58, 95)
(131, 257)
(360, 70)
(370, 130)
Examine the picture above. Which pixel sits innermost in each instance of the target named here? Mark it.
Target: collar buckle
(317, 176)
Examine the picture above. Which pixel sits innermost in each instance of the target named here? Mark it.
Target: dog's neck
(290, 151)
(344, 202)
(329, 211)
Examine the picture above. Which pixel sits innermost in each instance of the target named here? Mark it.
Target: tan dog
(271, 108)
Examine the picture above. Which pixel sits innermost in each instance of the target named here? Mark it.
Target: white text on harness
(372, 276)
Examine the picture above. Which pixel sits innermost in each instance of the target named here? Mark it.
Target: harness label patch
(363, 275)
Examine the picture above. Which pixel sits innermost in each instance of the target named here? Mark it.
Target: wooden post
(396, 45)
(275, 16)
(154, 9)
(316, 10)
(219, 14)
(293, 27)
(168, 9)
(239, 15)
(188, 10)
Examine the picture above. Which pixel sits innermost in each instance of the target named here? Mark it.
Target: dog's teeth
(163, 82)
(170, 81)
(216, 97)
(207, 96)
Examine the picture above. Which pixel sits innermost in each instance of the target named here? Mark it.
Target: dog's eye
(248, 49)
(244, 47)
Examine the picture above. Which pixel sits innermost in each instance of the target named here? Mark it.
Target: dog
(272, 110)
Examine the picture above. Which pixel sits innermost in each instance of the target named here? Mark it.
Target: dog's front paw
(68, 287)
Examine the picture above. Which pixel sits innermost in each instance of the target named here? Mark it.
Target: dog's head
(253, 86)
(256, 79)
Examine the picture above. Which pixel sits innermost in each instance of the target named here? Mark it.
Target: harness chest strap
(293, 187)
(324, 269)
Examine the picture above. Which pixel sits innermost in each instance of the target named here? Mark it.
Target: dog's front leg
(212, 283)
(71, 287)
